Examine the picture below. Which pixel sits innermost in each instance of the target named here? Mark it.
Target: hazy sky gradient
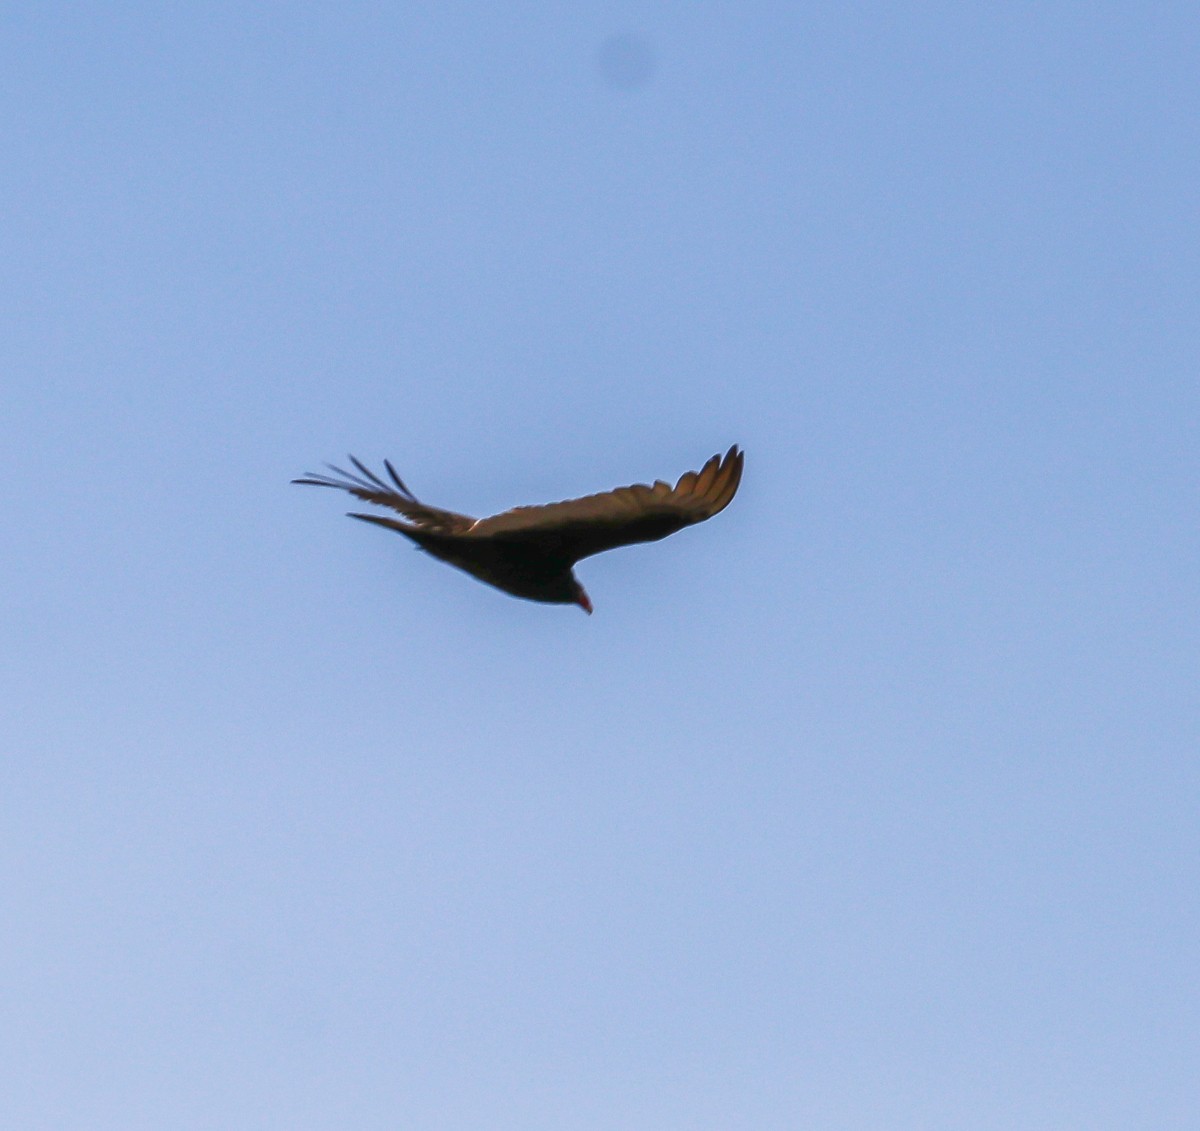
(873, 803)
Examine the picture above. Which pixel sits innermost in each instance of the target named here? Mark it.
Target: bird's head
(582, 599)
(562, 588)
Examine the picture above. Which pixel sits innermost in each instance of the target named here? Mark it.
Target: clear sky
(873, 803)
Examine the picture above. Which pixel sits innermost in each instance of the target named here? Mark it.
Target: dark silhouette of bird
(530, 552)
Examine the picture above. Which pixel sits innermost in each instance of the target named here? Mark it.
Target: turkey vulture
(529, 551)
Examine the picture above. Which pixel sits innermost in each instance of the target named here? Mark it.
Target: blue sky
(873, 803)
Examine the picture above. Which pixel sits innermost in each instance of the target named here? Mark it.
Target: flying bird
(530, 552)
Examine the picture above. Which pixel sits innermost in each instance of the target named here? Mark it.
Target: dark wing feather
(369, 487)
(578, 528)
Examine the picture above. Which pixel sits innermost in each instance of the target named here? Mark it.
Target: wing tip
(717, 481)
(728, 479)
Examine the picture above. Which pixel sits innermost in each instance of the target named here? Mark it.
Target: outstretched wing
(578, 528)
(369, 487)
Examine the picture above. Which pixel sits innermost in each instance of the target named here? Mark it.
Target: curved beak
(584, 602)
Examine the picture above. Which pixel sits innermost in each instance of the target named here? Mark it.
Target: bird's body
(530, 552)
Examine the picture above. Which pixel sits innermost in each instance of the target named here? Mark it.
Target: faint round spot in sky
(626, 61)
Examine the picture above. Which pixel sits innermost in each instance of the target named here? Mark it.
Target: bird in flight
(530, 552)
